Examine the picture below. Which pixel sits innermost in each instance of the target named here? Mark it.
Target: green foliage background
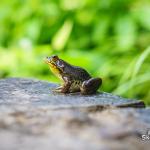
(109, 38)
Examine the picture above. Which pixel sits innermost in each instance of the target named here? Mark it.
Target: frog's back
(80, 73)
(76, 73)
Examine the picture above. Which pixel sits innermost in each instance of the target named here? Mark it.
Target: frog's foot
(62, 89)
(58, 89)
(90, 86)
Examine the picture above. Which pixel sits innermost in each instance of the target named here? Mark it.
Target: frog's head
(52, 60)
(55, 64)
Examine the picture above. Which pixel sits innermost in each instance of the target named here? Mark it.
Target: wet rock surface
(32, 117)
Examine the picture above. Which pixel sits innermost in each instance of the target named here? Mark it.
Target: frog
(74, 78)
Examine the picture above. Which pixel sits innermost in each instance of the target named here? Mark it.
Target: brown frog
(74, 78)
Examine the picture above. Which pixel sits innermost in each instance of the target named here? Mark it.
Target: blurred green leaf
(125, 29)
(140, 61)
(124, 88)
(61, 37)
(101, 29)
(142, 13)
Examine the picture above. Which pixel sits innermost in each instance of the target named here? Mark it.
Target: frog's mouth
(50, 63)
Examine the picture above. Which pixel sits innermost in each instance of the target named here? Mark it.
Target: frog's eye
(55, 58)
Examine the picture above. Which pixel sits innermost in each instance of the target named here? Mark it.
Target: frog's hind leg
(90, 86)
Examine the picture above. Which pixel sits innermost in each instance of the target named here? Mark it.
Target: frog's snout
(47, 60)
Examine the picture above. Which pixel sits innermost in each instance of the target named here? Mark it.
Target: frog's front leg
(65, 87)
(90, 86)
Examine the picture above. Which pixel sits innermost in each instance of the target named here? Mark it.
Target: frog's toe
(56, 90)
(60, 90)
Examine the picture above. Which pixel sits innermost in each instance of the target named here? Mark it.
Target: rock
(38, 94)
(40, 129)
(32, 117)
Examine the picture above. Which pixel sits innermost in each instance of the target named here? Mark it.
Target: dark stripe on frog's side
(75, 72)
(75, 86)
